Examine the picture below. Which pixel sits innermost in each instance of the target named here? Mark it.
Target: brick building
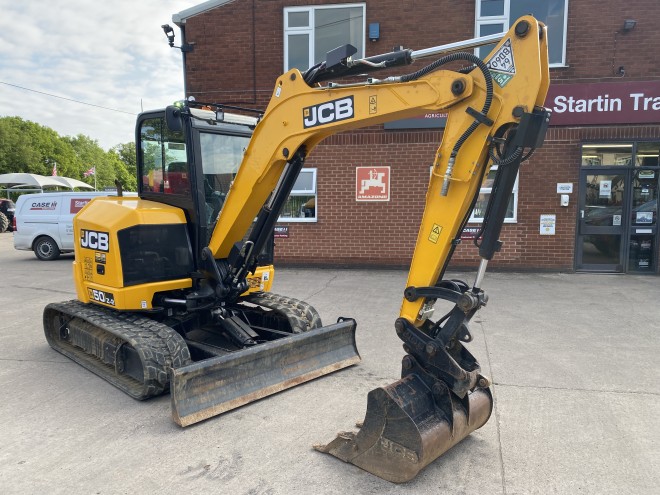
(586, 201)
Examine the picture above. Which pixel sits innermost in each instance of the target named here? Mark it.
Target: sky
(112, 54)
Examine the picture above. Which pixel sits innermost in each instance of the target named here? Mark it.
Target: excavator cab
(195, 177)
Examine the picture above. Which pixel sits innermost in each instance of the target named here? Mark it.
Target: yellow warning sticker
(373, 104)
(435, 233)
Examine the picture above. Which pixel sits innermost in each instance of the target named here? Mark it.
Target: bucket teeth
(406, 428)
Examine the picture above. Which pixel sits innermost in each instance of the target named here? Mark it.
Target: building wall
(239, 54)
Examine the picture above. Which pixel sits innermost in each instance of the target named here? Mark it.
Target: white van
(44, 221)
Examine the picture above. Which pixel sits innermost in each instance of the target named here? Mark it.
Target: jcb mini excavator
(173, 286)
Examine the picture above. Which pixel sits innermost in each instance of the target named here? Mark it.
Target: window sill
(479, 222)
(296, 220)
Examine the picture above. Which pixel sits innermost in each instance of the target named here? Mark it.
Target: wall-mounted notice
(547, 226)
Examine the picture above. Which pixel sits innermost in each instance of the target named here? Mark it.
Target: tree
(32, 148)
(106, 164)
(126, 154)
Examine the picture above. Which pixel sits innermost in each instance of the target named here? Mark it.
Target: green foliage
(32, 148)
(125, 153)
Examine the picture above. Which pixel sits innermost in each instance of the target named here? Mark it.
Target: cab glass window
(164, 166)
(221, 156)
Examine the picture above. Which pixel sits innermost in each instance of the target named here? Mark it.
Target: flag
(91, 171)
(54, 174)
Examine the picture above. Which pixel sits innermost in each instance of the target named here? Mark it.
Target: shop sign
(548, 223)
(372, 183)
(636, 102)
(281, 231)
(426, 121)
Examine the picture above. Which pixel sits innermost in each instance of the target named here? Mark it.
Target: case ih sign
(604, 103)
(372, 183)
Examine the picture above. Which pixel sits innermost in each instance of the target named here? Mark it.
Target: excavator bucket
(207, 388)
(408, 425)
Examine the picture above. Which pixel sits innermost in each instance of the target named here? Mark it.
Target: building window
(484, 195)
(496, 16)
(301, 205)
(311, 32)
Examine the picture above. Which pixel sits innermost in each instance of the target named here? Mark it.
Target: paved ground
(573, 359)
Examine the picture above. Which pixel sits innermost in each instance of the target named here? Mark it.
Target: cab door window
(163, 158)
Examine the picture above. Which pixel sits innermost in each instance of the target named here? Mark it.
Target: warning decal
(502, 65)
(373, 104)
(435, 233)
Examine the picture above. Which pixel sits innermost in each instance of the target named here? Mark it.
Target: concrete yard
(573, 358)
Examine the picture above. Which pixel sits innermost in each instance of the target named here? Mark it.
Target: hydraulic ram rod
(341, 64)
(459, 45)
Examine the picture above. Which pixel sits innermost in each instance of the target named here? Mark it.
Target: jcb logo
(331, 111)
(91, 239)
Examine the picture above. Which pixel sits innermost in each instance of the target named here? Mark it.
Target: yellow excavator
(173, 286)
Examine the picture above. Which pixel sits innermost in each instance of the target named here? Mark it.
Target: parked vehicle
(7, 208)
(44, 221)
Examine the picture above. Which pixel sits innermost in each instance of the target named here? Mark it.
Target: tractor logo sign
(372, 183)
(330, 111)
(501, 64)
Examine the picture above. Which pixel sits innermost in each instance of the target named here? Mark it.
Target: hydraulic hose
(489, 88)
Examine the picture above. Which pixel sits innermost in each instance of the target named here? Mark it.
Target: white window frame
(504, 19)
(304, 192)
(309, 30)
(488, 190)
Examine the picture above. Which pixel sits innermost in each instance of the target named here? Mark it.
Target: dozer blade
(211, 387)
(408, 426)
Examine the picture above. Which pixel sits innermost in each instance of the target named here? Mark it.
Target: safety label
(501, 65)
(373, 104)
(435, 233)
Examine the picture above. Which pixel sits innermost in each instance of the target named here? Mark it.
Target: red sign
(78, 204)
(372, 183)
(636, 102)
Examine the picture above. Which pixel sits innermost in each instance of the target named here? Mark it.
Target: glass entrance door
(617, 228)
(643, 221)
(600, 245)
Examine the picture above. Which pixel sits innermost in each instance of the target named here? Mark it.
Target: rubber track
(158, 346)
(301, 315)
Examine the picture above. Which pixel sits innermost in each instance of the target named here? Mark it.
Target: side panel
(128, 249)
(37, 215)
